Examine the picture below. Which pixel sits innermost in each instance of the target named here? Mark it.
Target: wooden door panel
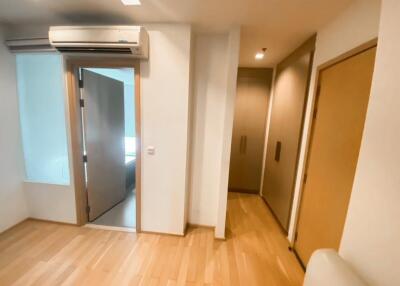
(237, 158)
(248, 136)
(333, 155)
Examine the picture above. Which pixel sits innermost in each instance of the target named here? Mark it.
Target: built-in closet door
(341, 108)
(251, 106)
(290, 93)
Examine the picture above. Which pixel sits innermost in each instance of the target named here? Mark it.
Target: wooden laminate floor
(255, 253)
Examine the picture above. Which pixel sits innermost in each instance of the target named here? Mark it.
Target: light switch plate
(151, 150)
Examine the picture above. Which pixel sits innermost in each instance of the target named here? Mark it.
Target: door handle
(243, 144)
(278, 148)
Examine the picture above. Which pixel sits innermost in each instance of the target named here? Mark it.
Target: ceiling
(278, 25)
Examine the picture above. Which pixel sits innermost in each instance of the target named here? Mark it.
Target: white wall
(190, 130)
(355, 26)
(372, 231)
(49, 201)
(13, 208)
(42, 201)
(232, 54)
(165, 93)
(215, 72)
(210, 69)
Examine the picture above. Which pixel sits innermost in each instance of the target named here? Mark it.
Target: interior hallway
(255, 253)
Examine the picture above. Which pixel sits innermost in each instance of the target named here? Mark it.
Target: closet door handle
(243, 144)
(278, 148)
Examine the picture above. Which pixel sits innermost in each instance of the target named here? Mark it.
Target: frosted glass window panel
(41, 90)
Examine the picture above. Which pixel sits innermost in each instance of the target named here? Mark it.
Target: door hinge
(295, 236)
(85, 158)
(305, 178)
(88, 209)
(81, 102)
(80, 82)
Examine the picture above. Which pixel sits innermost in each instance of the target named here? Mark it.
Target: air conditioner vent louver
(94, 50)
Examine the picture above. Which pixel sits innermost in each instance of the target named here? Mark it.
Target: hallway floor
(254, 253)
(122, 215)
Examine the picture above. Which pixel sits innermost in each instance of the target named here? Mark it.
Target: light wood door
(104, 138)
(337, 131)
(290, 95)
(248, 135)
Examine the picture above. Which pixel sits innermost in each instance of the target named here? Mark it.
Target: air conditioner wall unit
(29, 45)
(129, 40)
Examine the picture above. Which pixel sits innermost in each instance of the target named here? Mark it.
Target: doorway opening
(108, 125)
(105, 126)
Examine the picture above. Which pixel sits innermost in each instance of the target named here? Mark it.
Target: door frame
(72, 66)
(351, 53)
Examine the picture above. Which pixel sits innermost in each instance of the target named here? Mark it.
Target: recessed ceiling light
(131, 2)
(260, 55)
